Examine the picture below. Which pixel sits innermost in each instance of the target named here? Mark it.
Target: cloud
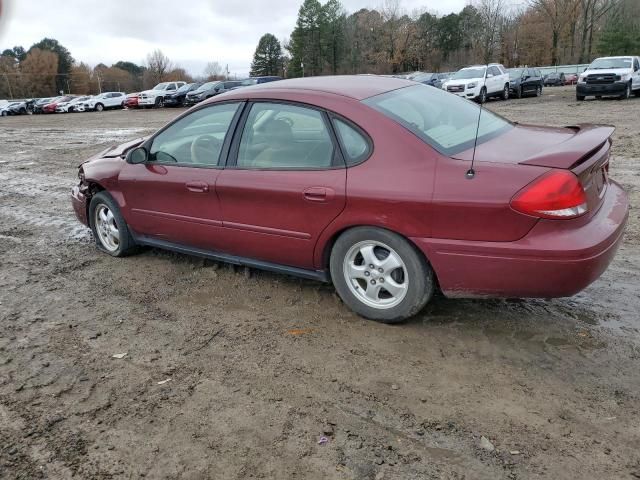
(191, 33)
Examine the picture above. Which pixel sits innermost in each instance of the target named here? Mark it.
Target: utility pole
(227, 71)
(302, 66)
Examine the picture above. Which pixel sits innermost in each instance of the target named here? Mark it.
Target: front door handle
(197, 187)
(318, 194)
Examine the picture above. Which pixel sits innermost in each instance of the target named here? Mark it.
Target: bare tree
(592, 11)
(559, 13)
(492, 17)
(158, 64)
(213, 71)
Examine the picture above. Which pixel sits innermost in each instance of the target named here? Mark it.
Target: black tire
(539, 91)
(159, 102)
(127, 245)
(99, 107)
(627, 93)
(505, 92)
(482, 98)
(519, 92)
(637, 92)
(420, 277)
(580, 98)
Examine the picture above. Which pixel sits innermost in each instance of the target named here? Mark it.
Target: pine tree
(305, 46)
(267, 59)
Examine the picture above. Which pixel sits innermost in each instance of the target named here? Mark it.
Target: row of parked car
(606, 76)
(170, 94)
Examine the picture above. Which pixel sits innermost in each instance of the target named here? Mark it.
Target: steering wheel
(286, 120)
(203, 147)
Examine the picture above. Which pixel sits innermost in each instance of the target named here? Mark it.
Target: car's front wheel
(505, 92)
(159, 102)
(380, 275)
(99, 107)
(482, 98)
(627, 93)
(109, 228)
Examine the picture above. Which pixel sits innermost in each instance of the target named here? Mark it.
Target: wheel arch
(323, 254)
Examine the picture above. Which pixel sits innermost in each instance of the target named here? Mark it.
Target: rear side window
(446, 122)
(355, 146)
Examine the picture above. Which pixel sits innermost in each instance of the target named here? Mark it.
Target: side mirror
(217, 89)
(137, 155)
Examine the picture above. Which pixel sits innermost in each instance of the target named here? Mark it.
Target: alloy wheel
(107, 228)
(376, 274)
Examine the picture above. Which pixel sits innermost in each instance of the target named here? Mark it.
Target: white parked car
(615, 76)
(155, 96)
(105, 100)
(479, 82)
(71, 105)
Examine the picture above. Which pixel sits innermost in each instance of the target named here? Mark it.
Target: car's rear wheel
(519, 92)
(109, 228)
(379, 275)
(99, 107)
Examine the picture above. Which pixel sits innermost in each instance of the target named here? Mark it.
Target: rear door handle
(197, 187)
(318, 194)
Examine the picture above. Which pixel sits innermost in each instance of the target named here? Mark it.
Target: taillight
(556, 194)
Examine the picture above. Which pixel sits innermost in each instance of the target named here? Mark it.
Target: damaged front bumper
(79, 203)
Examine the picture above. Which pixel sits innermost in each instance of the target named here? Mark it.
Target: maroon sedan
(366, 182)
(51, 107)
(131, 101)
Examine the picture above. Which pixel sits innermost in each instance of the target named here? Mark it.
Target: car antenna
(471, 173)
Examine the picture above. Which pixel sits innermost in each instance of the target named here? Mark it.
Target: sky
(191, 33)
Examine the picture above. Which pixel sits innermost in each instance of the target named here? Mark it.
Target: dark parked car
(554, 79)
(425, 78)
(22, 107)
(247, 82)
(366, 182)
(210, 89)
(40, 103)
(525, 81)
(177, 98)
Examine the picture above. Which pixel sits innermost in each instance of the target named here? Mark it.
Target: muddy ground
(260, 366)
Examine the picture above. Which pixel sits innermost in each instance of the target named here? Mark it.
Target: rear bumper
(79, 204)
(557, 258)
(616, 88)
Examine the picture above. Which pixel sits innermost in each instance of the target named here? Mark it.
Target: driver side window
(194, 140)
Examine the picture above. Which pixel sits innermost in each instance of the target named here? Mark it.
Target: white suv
(479, 82)
(105, 100)
(155, 96)
(618, 76)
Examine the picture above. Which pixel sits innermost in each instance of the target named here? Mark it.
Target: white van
(610, 76)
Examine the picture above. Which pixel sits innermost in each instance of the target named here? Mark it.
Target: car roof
(357, 87)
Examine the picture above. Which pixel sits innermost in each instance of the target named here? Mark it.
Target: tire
(519, 92)
(104, 215)
(627, 93)
(637, 92)
(99, 107)
(410, 274)
(580, 98)
(159, 102)
(482, 98)
(4, 114)
(505, 92)
(538, 91)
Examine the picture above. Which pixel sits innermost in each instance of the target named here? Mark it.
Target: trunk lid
(583, 149)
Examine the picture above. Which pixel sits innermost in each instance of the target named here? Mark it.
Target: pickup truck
(155, 96)
(479, 82)
(610, 76)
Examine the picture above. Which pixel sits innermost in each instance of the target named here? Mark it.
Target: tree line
(47, 68)
(327, 39)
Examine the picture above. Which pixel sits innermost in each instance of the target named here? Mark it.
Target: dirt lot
(262, 366)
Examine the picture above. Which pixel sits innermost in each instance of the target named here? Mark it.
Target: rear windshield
(446, 122)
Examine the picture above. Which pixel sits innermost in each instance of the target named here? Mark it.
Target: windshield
(207, 86)
(469, 73)
(515, 73)
(446, 122)
(249, 81)
(161, 86)
(602, 63)
(184, 88)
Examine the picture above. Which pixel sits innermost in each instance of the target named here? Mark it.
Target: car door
(284, 183)
(495, 81)
(528, 80)
(172, 195)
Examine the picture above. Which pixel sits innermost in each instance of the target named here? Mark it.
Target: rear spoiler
(587, 140)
